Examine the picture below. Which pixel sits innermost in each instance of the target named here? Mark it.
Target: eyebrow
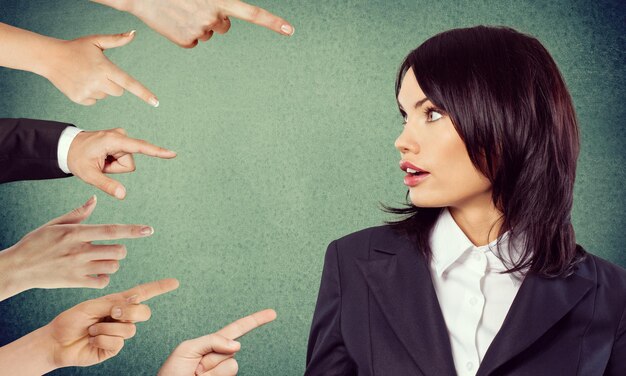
(417, 104)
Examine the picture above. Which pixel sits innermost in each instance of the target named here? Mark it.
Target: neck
(481, 222)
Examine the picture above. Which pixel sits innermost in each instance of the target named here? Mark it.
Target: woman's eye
(434, 115)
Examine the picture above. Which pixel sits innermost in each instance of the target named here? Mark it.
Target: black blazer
(28, 149)
(377, 314)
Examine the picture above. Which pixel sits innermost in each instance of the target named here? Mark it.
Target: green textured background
(284, 145)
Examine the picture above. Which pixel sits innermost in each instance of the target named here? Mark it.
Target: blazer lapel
(540, 303)
(400, 281)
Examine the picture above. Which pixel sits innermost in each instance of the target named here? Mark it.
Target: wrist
(43, 344)
(11, 282)
(33, 354)
(73, 152)
(44, 56)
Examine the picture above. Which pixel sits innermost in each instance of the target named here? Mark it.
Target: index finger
(133, 145)
(89, 233)
(127, 82)
(101, 307)
(244, 325)
(149, 290)
(258, 16)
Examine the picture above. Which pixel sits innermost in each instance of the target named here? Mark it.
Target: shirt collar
(448, 243)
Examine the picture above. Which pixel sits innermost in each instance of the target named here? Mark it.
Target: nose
(406, 142)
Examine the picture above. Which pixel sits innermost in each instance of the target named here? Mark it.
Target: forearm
(33, 354)
(25, 49)
(10, 283)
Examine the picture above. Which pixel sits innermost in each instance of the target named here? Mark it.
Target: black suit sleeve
(28, 149)
(617, 361)
(326, 353)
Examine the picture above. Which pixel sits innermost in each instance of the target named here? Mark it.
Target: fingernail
(132, 299)
(131, 33)
(116, 313)
(154, 102)
(120, 192)
(287, 29)
(199, 369)
(233, 344)
(90, 201)
(147, 230)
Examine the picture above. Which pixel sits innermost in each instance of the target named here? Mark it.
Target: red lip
(406, 164)
(411, 180)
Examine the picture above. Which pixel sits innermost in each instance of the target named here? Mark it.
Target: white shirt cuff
(67, 136)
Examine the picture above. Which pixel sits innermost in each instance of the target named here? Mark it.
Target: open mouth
(414, 174)
(409, 168)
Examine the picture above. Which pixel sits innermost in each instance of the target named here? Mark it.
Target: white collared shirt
(473, 295)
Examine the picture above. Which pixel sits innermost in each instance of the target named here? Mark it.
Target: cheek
(454, 178)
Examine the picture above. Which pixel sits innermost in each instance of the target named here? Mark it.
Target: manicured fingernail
(120, 192)
(147, 230)
(131, 33)
(116, 313)
(287, 29)
(199, 369)
(154, 102)
(90, 201)
(132, 299)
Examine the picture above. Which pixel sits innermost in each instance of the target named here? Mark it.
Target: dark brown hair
(510, 106)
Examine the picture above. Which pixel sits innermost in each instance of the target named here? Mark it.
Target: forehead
(410, 90)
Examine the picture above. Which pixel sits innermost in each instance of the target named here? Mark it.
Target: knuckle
(234, 366)
(119, 345)
(94, 330)
(147, 313)
(184, 346)
(121, 251)
(103, 282)
(110, 230)
(132, 330)
(64, 233)
(113, 266)
(255, 12)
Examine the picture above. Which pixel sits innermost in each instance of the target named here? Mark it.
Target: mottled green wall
(284, 144)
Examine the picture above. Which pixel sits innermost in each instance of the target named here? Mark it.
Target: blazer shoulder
(608, 272)
(609, 278)
(358, 244)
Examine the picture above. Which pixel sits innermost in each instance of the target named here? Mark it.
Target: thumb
(106, 41)
(106, 184)
(76, 215)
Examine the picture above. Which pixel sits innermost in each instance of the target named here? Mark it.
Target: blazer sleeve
(617, 361)
(326, 353)
(28, 149)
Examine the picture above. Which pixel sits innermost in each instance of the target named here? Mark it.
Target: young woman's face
(429, 142)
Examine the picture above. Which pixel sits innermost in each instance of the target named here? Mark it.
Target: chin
(424, 200)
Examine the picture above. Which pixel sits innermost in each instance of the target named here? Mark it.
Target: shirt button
(473, 300)
(469, 366)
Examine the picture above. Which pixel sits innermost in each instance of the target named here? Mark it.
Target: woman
(482, 274)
